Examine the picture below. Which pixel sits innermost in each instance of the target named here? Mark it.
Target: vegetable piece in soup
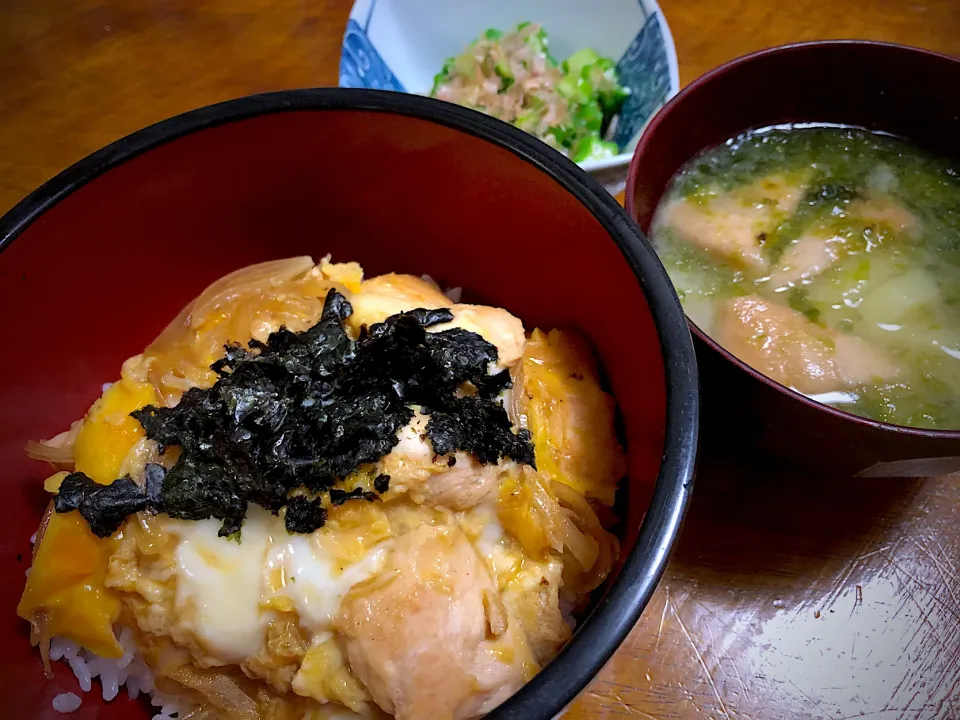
(827, 258)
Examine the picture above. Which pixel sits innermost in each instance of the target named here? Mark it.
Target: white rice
(115, 674)
(66, 702)
(127, 671)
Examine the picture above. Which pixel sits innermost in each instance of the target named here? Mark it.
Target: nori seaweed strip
(104, 507)
(339, 497)
(304, 515)
(196, 490)
(481, 427)
(461, 355)
(304, 410)
(73, 489)
(107, 508)
(153, 475)
(492, 385)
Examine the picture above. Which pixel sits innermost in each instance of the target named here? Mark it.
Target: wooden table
(787, 597)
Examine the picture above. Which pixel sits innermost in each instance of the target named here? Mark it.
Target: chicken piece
(723, 228)
(386, 295)
(734, 224)
(809, 256)
(495, 325)
(785, 346)
(885, 211)
(380, 297)
(461, 486)
(558, 397)
(805, 259)
(532, 596)
(458, 481)
(429, 636)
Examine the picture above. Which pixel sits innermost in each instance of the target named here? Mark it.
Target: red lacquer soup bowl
(98, 260)
(894, 89)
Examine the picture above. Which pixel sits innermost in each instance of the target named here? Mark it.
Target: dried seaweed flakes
(303, 411)
(303, 515)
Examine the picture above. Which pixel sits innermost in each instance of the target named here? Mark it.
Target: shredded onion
(41, 531)
(582, 546)
(40, 636)
(144, 451)
(247, 280)
(251, 302)
(39, 632)
(220, 690)
(605, 545)
(58, 450)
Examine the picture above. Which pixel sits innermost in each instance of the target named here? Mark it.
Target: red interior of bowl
(95, 278)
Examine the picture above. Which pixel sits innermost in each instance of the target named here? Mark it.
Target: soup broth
(828, 258)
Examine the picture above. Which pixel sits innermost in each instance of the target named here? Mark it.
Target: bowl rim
(621, 159)
(663, 116)
(673, 67)
(551, 690)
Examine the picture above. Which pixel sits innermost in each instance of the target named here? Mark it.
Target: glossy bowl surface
(402, 44)
(98, 260)
(888, 88)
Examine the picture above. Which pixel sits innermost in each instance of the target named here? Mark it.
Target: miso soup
(827, 258)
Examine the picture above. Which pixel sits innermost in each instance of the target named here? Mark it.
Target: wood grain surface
(787, 596)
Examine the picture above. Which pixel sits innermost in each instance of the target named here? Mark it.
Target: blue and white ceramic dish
(401, 44)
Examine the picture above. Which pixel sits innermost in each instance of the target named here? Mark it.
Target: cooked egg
(316, 584)
(66, 585)
(108, 432)
(265, 569)
(219, 584)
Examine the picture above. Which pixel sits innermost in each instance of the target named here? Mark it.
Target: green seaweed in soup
(828, 258)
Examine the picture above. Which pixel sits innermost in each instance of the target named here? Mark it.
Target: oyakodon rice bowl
(319, 496)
